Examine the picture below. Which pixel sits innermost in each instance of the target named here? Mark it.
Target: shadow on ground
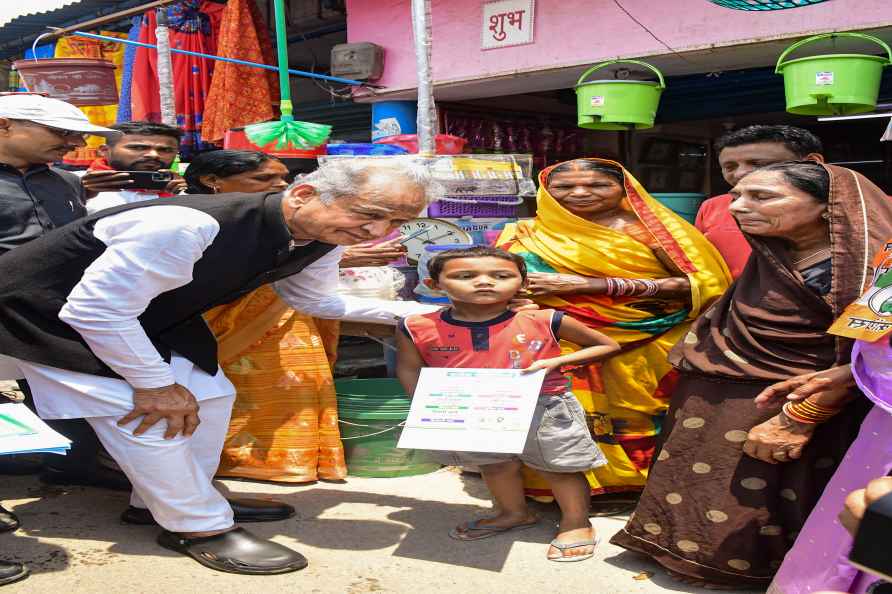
(412, 521)
(328, 518)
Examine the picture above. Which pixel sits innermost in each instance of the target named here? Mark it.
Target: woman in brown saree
(733, 483)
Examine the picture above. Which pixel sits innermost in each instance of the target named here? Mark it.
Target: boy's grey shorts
(558, 441)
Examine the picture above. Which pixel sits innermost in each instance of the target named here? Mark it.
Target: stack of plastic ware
(483, 192)
(364, 149)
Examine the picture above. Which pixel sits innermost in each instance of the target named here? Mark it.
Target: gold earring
(825, 215)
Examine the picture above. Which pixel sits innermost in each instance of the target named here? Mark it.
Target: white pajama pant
(173, 478)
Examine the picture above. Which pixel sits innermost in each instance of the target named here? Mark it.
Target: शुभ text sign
(507, 23)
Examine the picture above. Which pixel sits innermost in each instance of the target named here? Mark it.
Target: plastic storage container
(445, 143)
(79, 81)
(833, 84)
(393, 118)
(364, 149)
(475, 206)
(372, 412)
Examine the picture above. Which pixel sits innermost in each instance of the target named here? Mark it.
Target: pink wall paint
(576, 32)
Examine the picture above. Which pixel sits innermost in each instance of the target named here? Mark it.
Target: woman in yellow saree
(603, 250)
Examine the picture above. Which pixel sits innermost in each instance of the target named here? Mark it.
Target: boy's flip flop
(474, 531)
(562, 546)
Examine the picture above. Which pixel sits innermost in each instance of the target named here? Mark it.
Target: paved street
(364, 535)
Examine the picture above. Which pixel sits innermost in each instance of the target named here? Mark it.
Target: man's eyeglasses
(70, 134)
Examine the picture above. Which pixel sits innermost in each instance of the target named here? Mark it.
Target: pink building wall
(575, 32)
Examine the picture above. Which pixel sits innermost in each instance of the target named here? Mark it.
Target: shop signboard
(508, 23)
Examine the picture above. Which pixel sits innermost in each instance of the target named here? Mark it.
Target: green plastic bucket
(833, 84)
(372, 412)
(617, 104)
(684, 205)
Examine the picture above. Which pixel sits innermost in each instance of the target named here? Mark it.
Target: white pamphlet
(472, 410)
(21, 432)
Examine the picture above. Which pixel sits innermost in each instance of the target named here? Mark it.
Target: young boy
(479, 330)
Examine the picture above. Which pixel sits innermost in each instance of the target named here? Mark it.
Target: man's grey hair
(345, 177)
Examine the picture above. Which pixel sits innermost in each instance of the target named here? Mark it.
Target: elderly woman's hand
(548, 283)
(835, 381)
(373, 254)
(779, 439)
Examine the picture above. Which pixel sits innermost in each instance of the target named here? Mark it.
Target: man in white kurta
(147, 419)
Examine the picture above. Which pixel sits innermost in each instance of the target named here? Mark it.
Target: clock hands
(440, 237)
(412, 236)
(421, 232)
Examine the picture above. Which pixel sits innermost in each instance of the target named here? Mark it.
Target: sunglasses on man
(62, 133)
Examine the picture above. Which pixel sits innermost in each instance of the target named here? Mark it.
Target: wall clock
(421, 232)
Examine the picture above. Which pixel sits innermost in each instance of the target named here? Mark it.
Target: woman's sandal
(474, 531)
(563, 546)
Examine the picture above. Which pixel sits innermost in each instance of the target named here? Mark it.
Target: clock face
(422, 232)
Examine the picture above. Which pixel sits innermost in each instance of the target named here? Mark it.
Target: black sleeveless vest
(251, 249)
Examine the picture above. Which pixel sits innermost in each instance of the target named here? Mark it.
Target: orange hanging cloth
(240, 95)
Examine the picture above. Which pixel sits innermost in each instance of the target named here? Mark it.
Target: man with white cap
(35, 198)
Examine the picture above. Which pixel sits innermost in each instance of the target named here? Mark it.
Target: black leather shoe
(8, 520)
(103, 478)
(236, 551)
(244, 510)
(260, 510)
(12, 572)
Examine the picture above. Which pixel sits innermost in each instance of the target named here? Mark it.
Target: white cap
(50, 112)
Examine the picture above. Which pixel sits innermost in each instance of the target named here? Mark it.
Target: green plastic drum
(371, 413)
(834, 84)
(617, 104)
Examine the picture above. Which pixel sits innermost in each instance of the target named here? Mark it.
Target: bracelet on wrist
(651, 288)
(809, 412)
(626, 287)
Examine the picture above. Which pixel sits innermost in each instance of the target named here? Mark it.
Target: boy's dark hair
(435, 266)
(147, 129)
(798, 141)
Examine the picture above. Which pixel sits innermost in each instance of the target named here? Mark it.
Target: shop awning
(20, 25)
(9, 13)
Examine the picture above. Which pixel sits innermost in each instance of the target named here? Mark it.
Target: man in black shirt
(36, 198)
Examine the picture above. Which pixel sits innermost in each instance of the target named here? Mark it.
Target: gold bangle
(807, 412)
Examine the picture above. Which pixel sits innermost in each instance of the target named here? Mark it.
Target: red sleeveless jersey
(509, 341)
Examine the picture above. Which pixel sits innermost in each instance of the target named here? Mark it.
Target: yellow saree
(284, 423)
(625, 396)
